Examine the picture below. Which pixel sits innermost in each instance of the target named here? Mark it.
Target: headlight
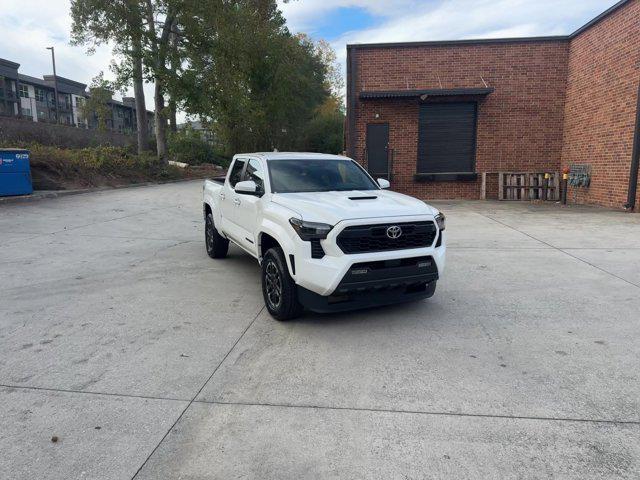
(310, 230)
(440, 221)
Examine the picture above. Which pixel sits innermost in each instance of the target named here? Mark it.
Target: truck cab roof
(291, 156)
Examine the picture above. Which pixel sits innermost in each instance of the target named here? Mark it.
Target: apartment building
(205, 132)
(27, 97)
(8, 87)
(37, 99)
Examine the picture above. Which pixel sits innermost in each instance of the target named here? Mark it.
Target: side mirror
(383, 183)
(248, 187)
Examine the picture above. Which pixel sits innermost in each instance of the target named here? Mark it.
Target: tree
(140, 31)
(233, 63)
(260, 89)
(174, 62)
(95, 22)
(160, 18)
(334, 81)
(96, 106)
(325, 131)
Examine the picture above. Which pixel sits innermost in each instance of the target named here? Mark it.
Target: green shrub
(102, 159)
(188, 146)
(95, 166)
(325, 131)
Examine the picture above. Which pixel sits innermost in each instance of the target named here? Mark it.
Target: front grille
(374, 238)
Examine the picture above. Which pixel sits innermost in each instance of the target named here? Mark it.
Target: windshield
(292, 176)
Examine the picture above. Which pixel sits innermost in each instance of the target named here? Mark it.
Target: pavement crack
(89, 392)
(198, 392)
(128, 237)
(424, 412)
(158, 250)
(110, 220)
(562, 251)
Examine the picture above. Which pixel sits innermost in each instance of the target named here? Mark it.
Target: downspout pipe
(635, 161)
(352, 72)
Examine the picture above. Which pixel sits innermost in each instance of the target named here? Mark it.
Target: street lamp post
(55, 83)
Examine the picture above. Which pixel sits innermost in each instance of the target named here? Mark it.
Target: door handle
(236, 201)
(222, 195)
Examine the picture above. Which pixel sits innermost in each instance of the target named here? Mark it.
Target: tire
(217, 245)
(278, 288)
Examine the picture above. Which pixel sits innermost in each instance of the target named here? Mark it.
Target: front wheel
(278, 288)
(217, 245)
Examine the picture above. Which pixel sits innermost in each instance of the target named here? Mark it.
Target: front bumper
(372, 284)
(324, 276)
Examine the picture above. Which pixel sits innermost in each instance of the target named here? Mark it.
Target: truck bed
(219, 179)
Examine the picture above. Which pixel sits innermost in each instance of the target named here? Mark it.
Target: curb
(48, 194)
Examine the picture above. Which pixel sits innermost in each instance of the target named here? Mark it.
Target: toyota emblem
(394, 232)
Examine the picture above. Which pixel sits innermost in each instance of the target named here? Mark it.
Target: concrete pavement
(147, 359)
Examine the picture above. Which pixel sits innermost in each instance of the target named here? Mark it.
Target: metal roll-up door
(447, 137)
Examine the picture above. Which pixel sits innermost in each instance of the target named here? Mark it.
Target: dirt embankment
(54, 168)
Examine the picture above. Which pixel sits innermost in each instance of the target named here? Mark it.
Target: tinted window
(236, 172)
(254, 172)
(289, 176)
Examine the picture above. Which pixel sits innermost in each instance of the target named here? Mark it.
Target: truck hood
(333, 207)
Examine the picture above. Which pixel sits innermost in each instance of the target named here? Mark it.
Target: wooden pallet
(529, 186)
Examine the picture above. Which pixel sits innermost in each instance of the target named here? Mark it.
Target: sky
(29, 26)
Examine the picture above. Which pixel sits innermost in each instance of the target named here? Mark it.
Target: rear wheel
(217, 245)
(278, 288)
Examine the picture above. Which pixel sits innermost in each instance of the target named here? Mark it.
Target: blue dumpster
(15, 172)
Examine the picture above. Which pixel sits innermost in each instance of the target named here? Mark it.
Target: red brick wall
(519, 124)
(601, 99)
(555, 103)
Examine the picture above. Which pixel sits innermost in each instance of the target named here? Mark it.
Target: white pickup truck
(328, 237)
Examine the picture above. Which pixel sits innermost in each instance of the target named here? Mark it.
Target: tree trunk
(173, 47)
(159, 48)
(161, 123)
(173, 121)
(138, 92)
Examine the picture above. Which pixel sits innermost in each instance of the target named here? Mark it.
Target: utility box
(15, 172)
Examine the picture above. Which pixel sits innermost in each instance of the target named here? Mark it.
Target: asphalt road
(147, 359)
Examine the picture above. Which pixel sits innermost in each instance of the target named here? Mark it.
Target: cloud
(422, 20)
(459, 19)
(29, 26)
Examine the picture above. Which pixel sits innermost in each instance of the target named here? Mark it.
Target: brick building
(438, 117)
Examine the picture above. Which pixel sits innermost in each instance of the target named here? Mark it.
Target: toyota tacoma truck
(328, 237)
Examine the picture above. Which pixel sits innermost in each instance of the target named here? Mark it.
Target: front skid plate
(359, 300)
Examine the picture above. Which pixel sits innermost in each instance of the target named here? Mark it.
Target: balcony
(8, 95)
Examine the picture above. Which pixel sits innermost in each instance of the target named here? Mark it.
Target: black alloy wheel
(278, 288)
